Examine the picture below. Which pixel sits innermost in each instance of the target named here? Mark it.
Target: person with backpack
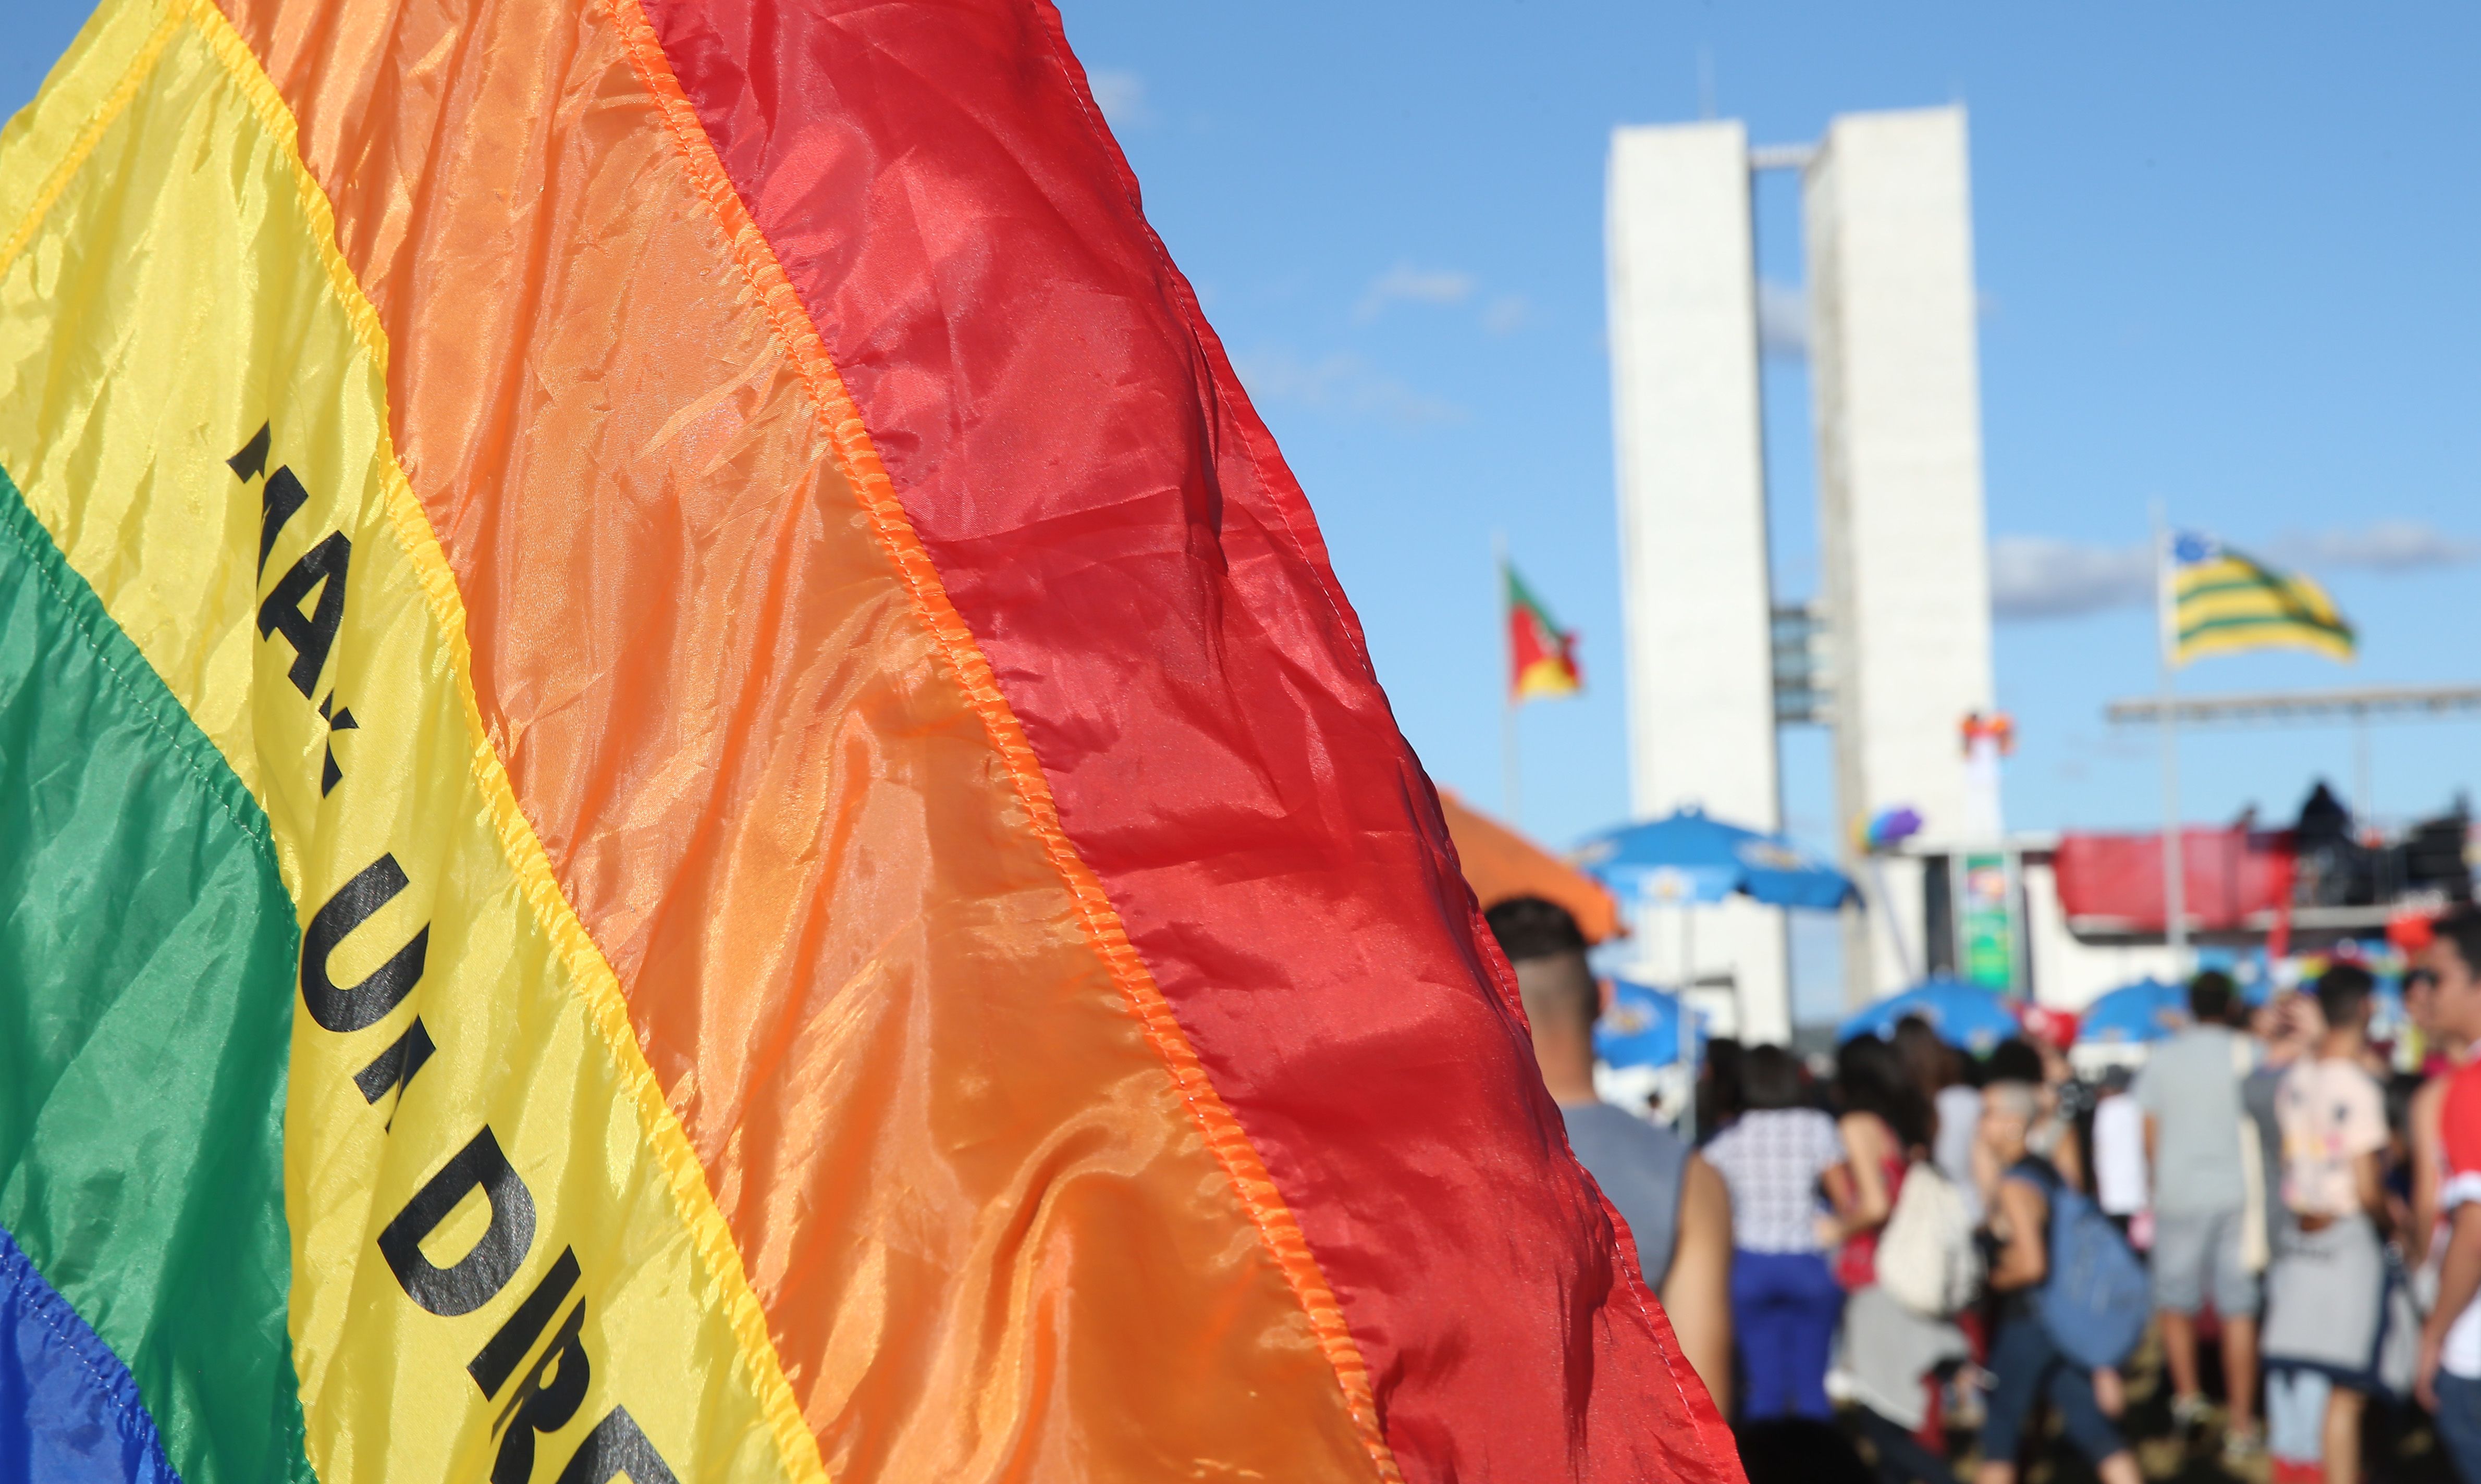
(2071, 1304)
(1937, 1069)
(1891, 1349)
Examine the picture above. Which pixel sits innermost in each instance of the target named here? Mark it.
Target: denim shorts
(2458, 1423)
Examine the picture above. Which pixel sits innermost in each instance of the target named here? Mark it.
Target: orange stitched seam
(1289, 509)
(858, 461)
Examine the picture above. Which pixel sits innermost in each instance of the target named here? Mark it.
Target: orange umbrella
(1499, 864)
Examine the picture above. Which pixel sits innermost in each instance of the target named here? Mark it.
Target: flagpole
(1508, 773)
(1686, 1123)
(2174, 880)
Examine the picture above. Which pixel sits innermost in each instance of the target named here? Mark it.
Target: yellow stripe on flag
(1546, 677)
(2226, 642)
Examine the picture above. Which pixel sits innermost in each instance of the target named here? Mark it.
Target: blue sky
(2225, 258)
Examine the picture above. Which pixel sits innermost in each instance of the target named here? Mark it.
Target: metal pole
(1687, 945)
(1507, 767)
(2174, 881)
(1508, 772)
(2364, 802)
(1912, 969)
(1687, 1058)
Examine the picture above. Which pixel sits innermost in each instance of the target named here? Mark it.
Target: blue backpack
(2095, 1300)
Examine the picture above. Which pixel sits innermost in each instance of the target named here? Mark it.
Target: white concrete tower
(1897, 387)
(1701, 708)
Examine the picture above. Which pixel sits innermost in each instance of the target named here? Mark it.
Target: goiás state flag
(683, 797)
(2217, 601)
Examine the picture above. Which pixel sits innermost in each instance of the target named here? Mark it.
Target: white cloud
(1122, 98)
(1782, 319)
(2383, 546)
(1508, 314)
(1342, 383)
(1405, 283)
(2044, 577)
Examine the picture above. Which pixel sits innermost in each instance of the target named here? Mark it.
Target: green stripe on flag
(2270, 621)
(2224, 585)
(1521, 599)
(2275, 590)
(148, 950)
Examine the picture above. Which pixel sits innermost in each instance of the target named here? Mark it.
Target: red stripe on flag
(1116, 527)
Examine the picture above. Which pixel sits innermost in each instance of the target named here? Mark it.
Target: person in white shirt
(2122, 1183)
(2325, 1299)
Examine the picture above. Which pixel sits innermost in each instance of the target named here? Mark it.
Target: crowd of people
(1951, 1260)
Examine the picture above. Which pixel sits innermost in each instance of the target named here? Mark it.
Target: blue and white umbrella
(1641, 1029)
(1689, 859)
(2133, 1015)
(1964, 1015)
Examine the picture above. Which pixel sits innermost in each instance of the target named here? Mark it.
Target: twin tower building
(1893, 651)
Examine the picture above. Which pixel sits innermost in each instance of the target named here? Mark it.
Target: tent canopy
(1499, 865)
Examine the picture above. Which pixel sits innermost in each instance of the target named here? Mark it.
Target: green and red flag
(1541, 656)
(685, 795)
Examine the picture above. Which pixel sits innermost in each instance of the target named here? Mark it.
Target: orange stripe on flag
(988, 1205)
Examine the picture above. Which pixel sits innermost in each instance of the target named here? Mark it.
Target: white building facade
(1896, 380)
(1683, 336)
(1905, 598)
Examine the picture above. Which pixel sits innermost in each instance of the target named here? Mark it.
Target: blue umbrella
(1964, 1015)
(1688, 859)
(1642, 1027)
(2133, 1014)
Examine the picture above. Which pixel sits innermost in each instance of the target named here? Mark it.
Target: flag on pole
(683, 795)
(1542, 656)
(2220, 601)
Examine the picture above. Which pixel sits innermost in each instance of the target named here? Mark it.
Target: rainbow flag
(683, 795)
(2217, 601)
(1541, 656)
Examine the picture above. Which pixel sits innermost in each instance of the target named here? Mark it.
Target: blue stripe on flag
(69, 1413)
